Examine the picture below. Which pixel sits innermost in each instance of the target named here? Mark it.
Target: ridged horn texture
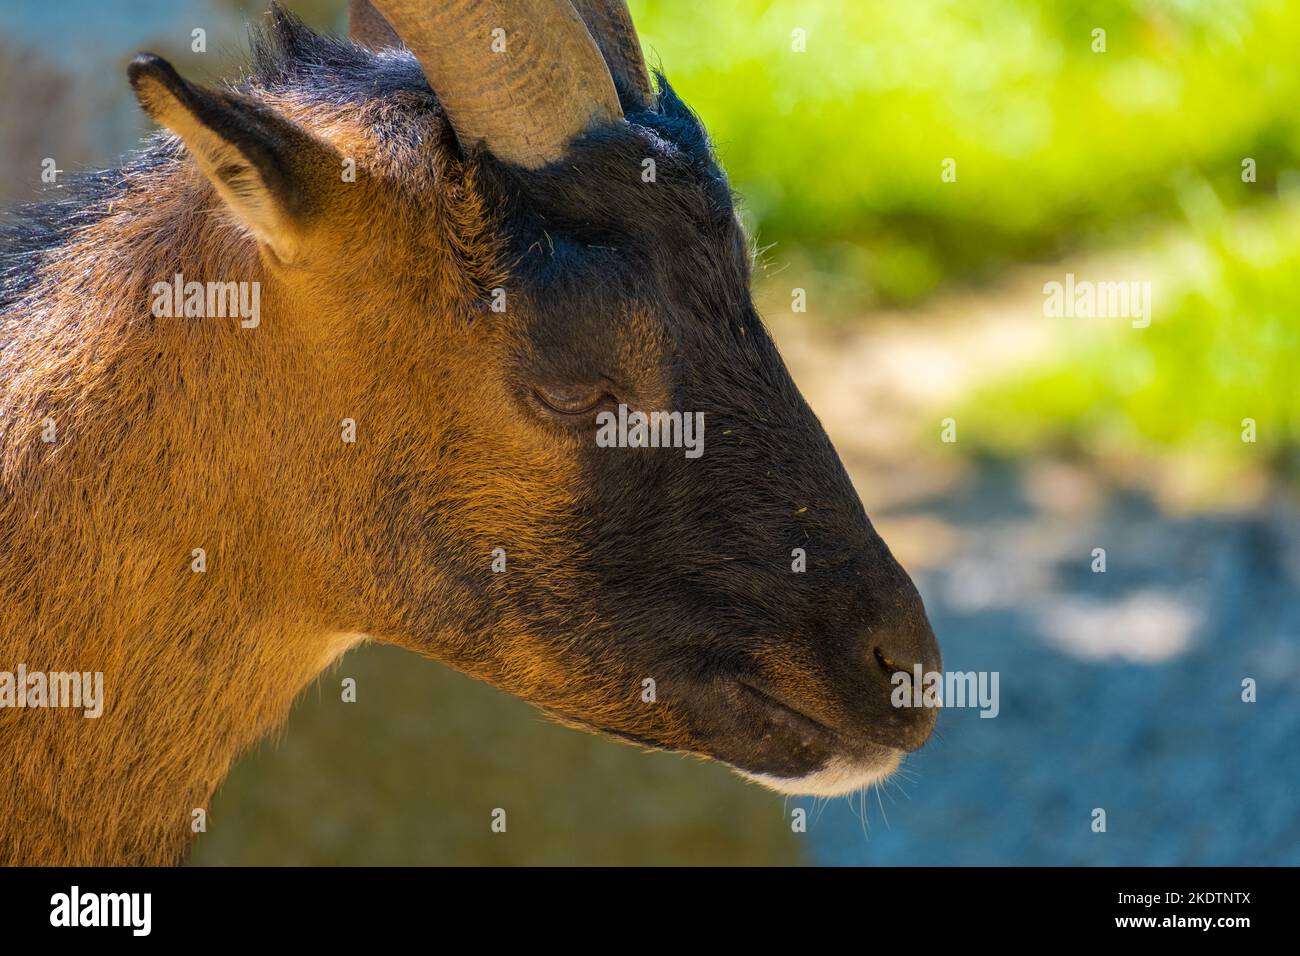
(524, 77)
(610, 25)
(367, 26)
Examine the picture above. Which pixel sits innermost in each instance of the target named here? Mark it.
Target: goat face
(482, 320)
(650, 593)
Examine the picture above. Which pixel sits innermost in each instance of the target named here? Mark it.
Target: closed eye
(578, 400)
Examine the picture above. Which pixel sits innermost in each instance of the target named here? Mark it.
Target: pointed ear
(271, 173)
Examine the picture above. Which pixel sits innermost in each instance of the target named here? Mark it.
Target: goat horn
(610, 24)
(367, 26)
(521, 76)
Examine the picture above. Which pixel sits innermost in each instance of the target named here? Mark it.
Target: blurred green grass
(1223, 346)
(411, 772)
(838, 150)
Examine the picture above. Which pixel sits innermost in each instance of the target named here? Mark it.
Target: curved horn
(522, 76)
(610, 24)
(367, 26)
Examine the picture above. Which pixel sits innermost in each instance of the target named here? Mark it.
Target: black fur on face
(641, 282)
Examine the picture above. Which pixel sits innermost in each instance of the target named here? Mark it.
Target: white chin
(840, 776)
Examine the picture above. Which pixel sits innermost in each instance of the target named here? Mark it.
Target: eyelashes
(577, 400)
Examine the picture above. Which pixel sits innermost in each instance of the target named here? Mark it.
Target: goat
(473, 232)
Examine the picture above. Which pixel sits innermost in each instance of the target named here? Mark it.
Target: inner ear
(270, 172)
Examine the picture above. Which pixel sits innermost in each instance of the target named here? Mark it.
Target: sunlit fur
(176, 434)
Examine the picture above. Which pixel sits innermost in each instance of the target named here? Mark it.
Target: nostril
(888, 666)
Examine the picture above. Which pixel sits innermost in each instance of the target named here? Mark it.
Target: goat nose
(905, 663)
(908, 716)
(905, 639)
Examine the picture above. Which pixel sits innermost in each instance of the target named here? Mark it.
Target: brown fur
(180, 413)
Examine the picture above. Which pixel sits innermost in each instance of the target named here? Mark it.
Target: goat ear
(268, 170)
